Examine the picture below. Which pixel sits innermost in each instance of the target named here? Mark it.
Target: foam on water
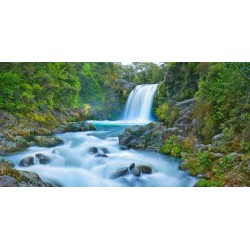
(73, 165)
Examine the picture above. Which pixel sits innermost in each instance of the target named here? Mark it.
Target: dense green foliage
(27, 86)
(223, 101)
(143, 72)
(221, 106)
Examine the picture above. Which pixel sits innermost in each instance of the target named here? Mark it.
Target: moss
(219, 182)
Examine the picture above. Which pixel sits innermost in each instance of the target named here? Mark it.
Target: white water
(73, 165)
(139, 104)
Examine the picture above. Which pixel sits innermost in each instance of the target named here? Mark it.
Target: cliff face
(209, 115)
(180, 83)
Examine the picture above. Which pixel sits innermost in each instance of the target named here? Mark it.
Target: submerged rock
(93, 150)
(105, 150)
(120, 172)
(48, 141)
(43, 159)
(101, 155)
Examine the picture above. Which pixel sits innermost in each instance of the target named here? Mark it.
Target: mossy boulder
(48, 141)
(12, 144)
(10, 177)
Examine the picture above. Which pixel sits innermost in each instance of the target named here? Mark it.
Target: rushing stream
(73, 164)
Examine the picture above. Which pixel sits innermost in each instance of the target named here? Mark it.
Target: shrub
(161, 112)
(169, 148)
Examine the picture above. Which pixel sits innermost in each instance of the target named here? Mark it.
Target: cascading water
(140, 102)
(75, 164)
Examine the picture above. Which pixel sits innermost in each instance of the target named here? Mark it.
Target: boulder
(16, 143)
(48, 141)
(21, 143)
(75, 127)
(7, 181)
(28, 161)
(137, 171)
(43, 159)
(151, 137)
(10, 177)
(132, 169)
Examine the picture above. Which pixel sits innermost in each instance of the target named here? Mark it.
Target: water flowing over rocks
(132, 169)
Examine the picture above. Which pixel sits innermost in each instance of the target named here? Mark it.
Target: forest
(201, 110)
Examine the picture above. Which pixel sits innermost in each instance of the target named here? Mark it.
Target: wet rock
(131, 167)
(93, 150)
(137, 171)
(43, 159)
(48, 141)
(101, 155)
(124, 148)
(75, 127)
(152, 136)
(105, 150)
(120, 172)
(28, 161)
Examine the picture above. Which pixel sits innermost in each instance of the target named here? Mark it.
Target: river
(72, 165)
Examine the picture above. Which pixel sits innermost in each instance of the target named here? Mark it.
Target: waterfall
(140, 102)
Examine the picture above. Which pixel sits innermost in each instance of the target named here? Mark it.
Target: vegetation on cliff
(216, 145)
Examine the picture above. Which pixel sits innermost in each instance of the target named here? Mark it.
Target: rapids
(72, 165)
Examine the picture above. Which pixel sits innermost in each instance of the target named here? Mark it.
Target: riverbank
(221, 163)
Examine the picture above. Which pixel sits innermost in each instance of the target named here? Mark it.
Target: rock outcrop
(10, 177)
(48, 141)
(75, 127)
(151, 136)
